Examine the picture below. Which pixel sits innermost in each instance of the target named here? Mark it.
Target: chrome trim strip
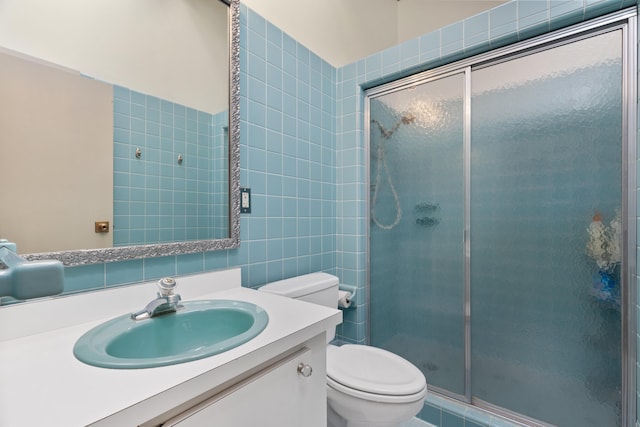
(441, 392)
(467, 235)
(629, 204)
(367, 166)
(510, 415)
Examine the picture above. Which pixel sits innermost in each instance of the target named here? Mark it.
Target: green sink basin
(200, 329)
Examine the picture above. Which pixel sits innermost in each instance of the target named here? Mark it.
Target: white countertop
(43, 384)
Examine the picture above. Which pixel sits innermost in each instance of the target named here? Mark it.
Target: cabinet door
(278, 396)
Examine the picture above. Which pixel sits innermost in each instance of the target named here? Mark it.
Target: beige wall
(417, 17)
(344, 31)
(171, 49)
(339, 31)
(55, 126)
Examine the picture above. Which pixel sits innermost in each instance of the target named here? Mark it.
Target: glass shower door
(416, 232)
(546, 198)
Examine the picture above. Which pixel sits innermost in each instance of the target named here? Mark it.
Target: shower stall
(502, 226)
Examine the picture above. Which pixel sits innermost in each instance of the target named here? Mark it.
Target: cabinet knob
(305, 370)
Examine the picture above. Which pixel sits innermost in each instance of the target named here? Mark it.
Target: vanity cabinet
(290, 392)
(254, 384)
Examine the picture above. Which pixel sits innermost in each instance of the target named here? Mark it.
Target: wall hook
(179, 159)
(138, 153)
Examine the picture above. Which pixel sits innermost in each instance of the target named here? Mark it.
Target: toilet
(366, 386)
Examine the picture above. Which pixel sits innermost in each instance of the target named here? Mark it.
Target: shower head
(405, 119)
(408, 118)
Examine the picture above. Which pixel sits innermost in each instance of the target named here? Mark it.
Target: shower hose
(381, 163)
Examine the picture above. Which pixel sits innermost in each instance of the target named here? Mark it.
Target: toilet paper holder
(347, 296)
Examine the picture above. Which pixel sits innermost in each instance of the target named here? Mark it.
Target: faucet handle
(166, 286)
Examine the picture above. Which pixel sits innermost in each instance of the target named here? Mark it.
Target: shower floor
(565, 400)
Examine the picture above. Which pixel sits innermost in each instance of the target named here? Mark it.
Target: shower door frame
(625, 21)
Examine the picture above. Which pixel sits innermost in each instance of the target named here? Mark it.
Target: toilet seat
(375, 374)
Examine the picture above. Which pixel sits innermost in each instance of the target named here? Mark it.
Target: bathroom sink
(200, 329)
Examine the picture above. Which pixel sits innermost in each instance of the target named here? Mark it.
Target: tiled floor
(415, 422)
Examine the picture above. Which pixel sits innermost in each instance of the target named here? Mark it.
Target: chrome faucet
(166, 302)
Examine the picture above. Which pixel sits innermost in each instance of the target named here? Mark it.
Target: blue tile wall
(156, 197)
(287, 159)
(219, 173)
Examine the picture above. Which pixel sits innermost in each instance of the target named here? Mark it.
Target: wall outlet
(245, 200)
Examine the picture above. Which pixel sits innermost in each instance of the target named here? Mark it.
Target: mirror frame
(123, 253)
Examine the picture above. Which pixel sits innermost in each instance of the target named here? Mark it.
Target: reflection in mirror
(119, 144)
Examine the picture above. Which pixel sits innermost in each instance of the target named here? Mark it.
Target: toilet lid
(373, 370)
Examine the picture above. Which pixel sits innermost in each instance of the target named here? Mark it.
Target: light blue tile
(121, 106)
(257, 114)
(315, 80)
(476, 30)
(83, 278)
(159, 267)
(123, 272)
(122, 93)
(303, 92)
(503, 20)
(473, 415)
(138, 98)
(257, 91)
(430, 56)
(476, 49)
(153, 102)
(289, 45)
(532, 13)
(274, 80)
(180, 110)
(274, 35)
(348, 72)
(476, 25)
(451, 420)
(274, 54)
(565, 12)
(190, 263)
(257, 274)
(595, 8)
(256, 23)
(408, 62)
(503, 40)
(452, 35)
(121, 121)
(256, 68)
(152, 115)
(533, 30)
(390, 56)
(215, 260)
(374, 63)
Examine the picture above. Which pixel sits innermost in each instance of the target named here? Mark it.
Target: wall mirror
(119, 128)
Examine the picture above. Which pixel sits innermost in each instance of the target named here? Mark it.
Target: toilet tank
(318, 288)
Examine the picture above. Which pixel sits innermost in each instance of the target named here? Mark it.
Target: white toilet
(366, 386)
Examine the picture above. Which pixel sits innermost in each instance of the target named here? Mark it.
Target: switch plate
(245, 200)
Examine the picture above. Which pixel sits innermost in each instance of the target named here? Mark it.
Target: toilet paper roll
(344, 299)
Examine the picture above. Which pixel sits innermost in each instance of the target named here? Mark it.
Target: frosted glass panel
(545, 190)
(417, 211)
